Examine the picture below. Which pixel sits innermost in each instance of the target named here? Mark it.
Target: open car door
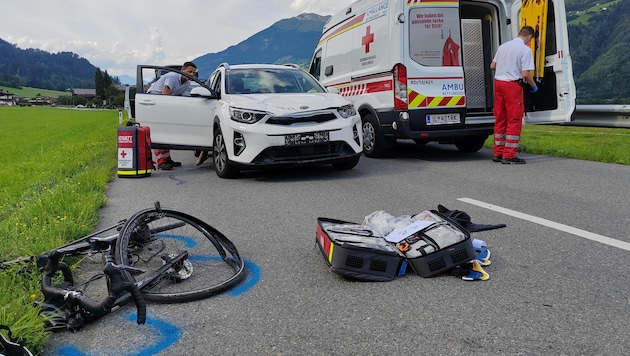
(555, 99)
(176, 122)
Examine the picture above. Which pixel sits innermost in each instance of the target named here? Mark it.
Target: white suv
(254, 116)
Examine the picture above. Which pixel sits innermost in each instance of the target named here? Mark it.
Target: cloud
(116, 35)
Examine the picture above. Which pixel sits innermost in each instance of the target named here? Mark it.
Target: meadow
(57, 163)
(56, 166)
(34, 92)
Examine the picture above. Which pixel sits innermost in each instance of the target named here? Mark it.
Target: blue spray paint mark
(169, 335)
(253, 276)
(179, 181)
(190, 243)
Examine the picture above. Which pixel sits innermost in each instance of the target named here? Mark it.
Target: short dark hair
(528, 31)
(189, 64)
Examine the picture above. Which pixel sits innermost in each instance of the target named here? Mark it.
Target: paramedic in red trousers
(512, 62)
(171, 83)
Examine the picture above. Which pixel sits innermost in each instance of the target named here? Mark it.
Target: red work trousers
(509, 109)
(162, 156)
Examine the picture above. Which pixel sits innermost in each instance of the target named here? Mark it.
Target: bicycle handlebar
(116, 288)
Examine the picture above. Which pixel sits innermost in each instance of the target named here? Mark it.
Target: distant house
(91, 93)
(41, 100)
(87, 93)
(6, 98)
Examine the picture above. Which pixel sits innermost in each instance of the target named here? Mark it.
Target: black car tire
(222, 165)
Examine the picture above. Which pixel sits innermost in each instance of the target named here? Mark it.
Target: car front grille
(281, 155)
(289, 120)
(305, 151)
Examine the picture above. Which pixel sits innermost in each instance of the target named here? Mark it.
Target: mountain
(599, 36)
(39, 69)
(287, 41)
(127, 80)
(599, 39)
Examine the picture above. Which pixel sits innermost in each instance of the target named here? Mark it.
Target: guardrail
(601, 116)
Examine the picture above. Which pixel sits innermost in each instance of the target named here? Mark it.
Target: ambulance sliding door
(555, 99)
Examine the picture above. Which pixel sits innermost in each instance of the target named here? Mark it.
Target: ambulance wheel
(374, 143)
(471, 144)
(222, 165)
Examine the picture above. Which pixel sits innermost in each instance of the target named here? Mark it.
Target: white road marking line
(554, 225)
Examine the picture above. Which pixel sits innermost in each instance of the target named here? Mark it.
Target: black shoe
(514, 160)
(173, 163)
(165, 166)
(496, 158)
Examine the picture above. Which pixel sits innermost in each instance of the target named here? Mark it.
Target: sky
(117, 35)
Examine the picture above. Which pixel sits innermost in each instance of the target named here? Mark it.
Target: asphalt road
(552, 290)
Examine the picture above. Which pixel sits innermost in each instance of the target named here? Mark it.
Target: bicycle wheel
(181, 257)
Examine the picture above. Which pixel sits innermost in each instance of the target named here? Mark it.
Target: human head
(189, 68)
(527, 33)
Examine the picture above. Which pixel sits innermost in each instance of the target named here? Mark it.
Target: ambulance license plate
(307, 138)
(442, 119)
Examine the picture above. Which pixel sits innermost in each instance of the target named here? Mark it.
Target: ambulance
(420, 69)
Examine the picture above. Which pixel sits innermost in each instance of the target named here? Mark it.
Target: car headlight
(347, 111)
(246, 116)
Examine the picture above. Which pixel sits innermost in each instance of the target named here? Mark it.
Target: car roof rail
(225, 65)
(293, 65)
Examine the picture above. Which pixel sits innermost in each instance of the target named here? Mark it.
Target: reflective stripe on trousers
(162, 156)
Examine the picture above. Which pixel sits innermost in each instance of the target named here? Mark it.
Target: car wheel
(347, 164)
(471, 144)
(374, 143)
(222, 165)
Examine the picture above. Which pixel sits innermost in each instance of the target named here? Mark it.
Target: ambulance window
(550, 37)
(434, 36)
(316, 64)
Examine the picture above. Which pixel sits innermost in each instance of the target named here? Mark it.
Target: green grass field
(584, 16)
(33, 92)
(57, 163)
(608, 145)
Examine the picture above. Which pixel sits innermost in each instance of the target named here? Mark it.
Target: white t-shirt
(512, 58)
(172, 80)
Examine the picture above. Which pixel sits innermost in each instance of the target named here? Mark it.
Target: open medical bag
(439, 246)
(431, 244)
(354, 253)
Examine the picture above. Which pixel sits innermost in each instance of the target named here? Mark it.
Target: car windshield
(271, 80)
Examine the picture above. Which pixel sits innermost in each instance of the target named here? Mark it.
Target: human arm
(527, 76)
(166, 90)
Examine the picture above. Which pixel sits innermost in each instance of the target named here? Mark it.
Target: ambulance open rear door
(555, 99)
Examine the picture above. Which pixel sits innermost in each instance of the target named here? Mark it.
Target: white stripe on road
(554, 225)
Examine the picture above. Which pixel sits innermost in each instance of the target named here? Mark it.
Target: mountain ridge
(599, 47)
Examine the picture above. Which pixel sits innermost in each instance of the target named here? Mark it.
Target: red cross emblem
(367, 39)
(123, 154)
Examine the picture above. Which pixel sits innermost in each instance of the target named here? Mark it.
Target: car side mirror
(203, 92)
(333, 90)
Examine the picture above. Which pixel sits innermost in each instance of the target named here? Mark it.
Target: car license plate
(441, 119)
(307, 138)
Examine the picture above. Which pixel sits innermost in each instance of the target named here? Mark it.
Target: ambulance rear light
(400, 87)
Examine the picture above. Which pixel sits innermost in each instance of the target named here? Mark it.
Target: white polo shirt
(172, 80)
(512, 58)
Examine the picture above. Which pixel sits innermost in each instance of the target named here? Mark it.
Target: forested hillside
(599, 38)
(287, 41)
(40, 69)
